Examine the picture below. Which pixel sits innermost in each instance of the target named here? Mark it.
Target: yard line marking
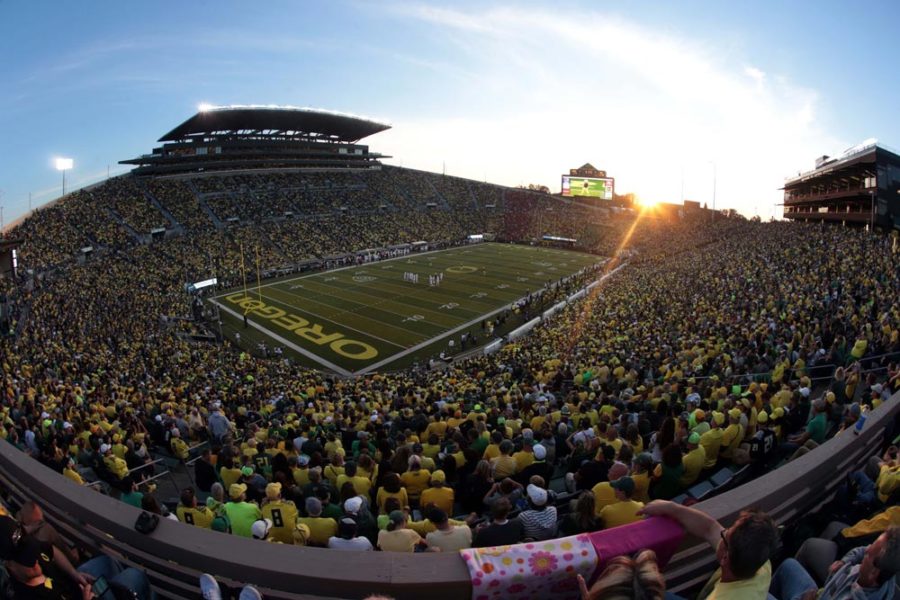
(338, 323)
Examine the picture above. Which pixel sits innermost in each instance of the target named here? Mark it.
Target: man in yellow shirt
(525, 456)
(72, 473)
(693, 461)
(743, 550)
(361, 484)
(604, 494)
(415, 480)
(711, 441)
(320, 528)
(504, 465)
(116, 465)
(282, 513)
(624, 510)
(733, 434)
(188, 511)
(493, 449)
(438, 494)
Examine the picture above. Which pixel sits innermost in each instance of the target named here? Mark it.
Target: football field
(371, 317)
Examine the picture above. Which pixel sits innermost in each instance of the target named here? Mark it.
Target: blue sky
(656, 93)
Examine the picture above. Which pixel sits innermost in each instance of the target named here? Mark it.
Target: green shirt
(132, 498)
(816, 428)
(242, 515)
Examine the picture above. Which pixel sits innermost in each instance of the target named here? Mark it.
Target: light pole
(872, 209)
(64, 164)
(714, 184)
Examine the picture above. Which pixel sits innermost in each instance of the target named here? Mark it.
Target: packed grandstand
(721, 350)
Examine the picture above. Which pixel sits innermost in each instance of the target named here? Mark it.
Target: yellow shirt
(73, 475)
(382, 496)
(604, 495)
(622, 512)
(711, 442)
(441, 497)
(362, 485)
(283, 514)
(491, 452)
(229, 476)
(641, 487)
(887, 482)
(399, 540)
(523, 459)
(320, 529)
(116, 465)
(415, 482)
(503, 466)
(301, 476)
(693, 463)
(332, 473)
(731, 439)
(745, 589)
(198, 517)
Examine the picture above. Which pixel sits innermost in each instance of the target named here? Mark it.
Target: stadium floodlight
(205, 107)
(64, 164)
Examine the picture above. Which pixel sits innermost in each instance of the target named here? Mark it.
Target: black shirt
(510, 532)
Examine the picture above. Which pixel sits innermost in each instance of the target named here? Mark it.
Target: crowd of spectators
(718, 343)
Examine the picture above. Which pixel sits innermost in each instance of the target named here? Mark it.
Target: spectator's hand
(582, 587)
(86, 592)
(83, 578)
(835, 566)
(655, 508)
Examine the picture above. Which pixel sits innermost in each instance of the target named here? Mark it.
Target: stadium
(263, 333)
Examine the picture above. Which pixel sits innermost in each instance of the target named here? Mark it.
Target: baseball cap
(694, 438)
(260, 529)
(762, 417)
(236, 489)
(540, 453)
(397, 516)
(246, 471)
(700, 415)
(353, 505)
(273, 490)
(536, 494)
(303, 460)
(644, 459)
(718, 417)
(104, 448)
(734, 413)
(625, 484)
(804, 391)
(438, 477)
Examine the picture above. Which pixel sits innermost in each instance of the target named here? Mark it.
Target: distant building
(859, 188)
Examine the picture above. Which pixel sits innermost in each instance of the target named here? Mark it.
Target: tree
(536, 187)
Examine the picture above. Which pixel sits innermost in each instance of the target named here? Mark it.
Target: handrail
(175, 554)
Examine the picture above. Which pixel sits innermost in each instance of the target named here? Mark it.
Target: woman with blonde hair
(626, 578)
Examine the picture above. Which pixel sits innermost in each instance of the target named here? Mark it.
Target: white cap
(260, 529)
(159, 418)
(353, 505)
(45, 415)
(67, 425)
(537, 495)
(540, 453)
(804, 391)
(303, 459)
(104, 448)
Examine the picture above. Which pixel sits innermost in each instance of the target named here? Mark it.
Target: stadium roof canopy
(269, 120)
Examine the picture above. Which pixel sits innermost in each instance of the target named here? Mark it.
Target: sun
(645, 203)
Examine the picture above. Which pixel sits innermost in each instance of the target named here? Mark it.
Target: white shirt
(357, 543)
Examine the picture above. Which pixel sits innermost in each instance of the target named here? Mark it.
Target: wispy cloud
(651, 107)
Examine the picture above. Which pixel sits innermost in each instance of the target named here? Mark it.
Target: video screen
(592, 187)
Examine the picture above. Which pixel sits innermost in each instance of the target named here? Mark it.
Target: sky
(699, 100)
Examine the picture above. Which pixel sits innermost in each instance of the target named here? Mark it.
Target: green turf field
(367, 318)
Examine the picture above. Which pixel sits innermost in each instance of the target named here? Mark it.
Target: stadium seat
(701, 490)
(722, 477)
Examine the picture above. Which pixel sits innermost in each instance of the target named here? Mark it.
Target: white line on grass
(322, 361)
(440, 337)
